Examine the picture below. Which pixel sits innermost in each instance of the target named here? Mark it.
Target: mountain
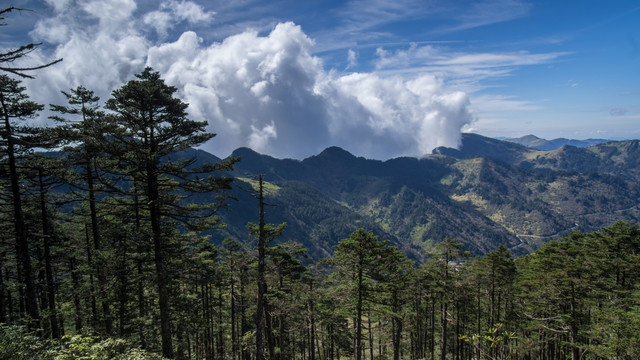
(487, 193)
(474, 145)
(534, 142)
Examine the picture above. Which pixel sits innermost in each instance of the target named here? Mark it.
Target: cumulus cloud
(270, 93)
(267, 92)
(101, 51)
(172, 12)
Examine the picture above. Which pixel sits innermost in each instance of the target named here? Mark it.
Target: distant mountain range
(488, 192)
(534, 142)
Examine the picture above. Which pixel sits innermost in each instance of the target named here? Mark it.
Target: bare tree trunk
(370, 335)
(359, 316)
(92, 290)
(76, 297)
(22, 243)
(3, 305)
(160, 262)
(46, 237)
(260, 318)
(106, 311)
(234, 335)
(312, 349)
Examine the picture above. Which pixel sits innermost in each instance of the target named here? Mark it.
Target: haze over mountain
(534, 142)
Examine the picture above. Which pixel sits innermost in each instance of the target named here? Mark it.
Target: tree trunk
(269, 330)
(260, 318)
(3, 305)
(123, 295)
(312, 349)
(46, 237)
(160, 262)
(92, 290)
(142, 309)
(106, 311)
(359, 315)
(432, 343)
(397, 326)
(76, 297)
(370, 335)
(443, 330)
(220, 324)
(234, 339)
(22, 243)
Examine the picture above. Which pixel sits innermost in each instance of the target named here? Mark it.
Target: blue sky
(379, 78)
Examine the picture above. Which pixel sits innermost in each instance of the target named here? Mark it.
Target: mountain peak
(530, 137)
(244, 151)
(333, 152)
(475, 145)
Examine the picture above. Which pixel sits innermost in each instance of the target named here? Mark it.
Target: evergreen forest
(106, 254)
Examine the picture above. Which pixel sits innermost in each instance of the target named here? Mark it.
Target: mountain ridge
(487, 193)
(534, 142)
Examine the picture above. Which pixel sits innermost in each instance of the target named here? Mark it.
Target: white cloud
(161, 21)
(110, 13)
(281, 101)
(352, 59)
(266, 92)
(259, 138)
(458, 65)
(172, 12)
(189, 11)
(59, 5)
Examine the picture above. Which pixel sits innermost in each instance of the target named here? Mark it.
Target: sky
(378, 78)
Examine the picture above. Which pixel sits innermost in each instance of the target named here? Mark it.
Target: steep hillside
(488, 193)
(620, 159)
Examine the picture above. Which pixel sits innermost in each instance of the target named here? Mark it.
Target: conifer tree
(448, 250)
(18, 138)
(81, 126)
(148, 129)
(358, 261)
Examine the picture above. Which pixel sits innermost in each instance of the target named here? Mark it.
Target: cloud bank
(267, 92)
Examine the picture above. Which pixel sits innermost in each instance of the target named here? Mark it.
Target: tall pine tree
(147, 130)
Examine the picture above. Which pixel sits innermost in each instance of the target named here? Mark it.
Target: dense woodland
(102, 256)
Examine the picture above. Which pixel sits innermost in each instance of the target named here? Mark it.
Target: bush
(19, 344)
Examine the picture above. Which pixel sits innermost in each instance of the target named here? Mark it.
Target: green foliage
(494, 343)
(18, 344)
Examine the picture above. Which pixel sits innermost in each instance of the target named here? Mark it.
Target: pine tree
(18, 138)
(81, 126)
(358, 261)
(148, 128)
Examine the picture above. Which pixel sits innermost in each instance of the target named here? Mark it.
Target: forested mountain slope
(488, 193)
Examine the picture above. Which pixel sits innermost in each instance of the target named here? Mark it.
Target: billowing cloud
(101, 51)
(267, 92)
(270, 93)
(172, 12)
